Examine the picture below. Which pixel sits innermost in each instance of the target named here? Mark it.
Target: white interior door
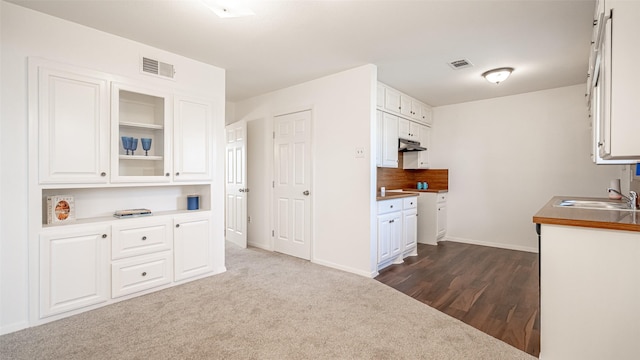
(236, 183)
(292, 184)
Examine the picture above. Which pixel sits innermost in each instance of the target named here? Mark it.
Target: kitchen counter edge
(590, 218)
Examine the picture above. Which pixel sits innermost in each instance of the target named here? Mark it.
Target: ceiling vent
(460, 64)
(158, 68)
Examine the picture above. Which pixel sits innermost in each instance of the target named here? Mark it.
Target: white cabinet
(192, 246)
(73, 125)
(387, 140)
(192, 136)
(410, 226)
(139, 113)
(419, 159)
(432, 225)
(397, 230)
(392, 100)
(408, 129)
(616, 74)
(141, 236)
(426, 114)
(138, 273)
(74, 269)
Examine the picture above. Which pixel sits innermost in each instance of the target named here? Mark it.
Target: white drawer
(140, 238)
(387, 206)
(410, 203)
(442, 197)
(140, 273)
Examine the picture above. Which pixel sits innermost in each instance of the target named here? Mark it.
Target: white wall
(343, 193)
(28, 33)
(508, 156)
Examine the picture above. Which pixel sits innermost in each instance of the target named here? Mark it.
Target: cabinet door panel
(73, 127)
(192, 248)
(73, 270)
(192, 134)
(410, 229)
(390, 141)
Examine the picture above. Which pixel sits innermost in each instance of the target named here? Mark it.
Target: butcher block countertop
(591, 218)
(389, 195)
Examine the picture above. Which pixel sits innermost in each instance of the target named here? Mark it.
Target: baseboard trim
(7, 329)
(345, 268)
(491, 244)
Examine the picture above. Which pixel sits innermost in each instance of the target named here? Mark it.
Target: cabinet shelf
(141, 125)
(100, 220)
(141, 157)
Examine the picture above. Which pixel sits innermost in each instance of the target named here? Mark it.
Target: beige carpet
(266, 306)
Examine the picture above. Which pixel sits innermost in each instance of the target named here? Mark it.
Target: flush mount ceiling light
(498, 75)
(228, 8)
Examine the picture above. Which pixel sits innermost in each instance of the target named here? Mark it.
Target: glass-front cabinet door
(140, 134)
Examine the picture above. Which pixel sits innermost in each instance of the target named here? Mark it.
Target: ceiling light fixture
(228, 8)
(498, 75)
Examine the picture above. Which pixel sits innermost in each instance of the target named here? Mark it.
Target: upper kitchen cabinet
(419, 159)
(73, 124)
(387, 147)
(395, 102)
(140, 134)
(613, 80)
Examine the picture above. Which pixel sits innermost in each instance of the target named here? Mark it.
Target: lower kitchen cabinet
(74, 269)
(397, 230)
(433, 219)
(140, 273)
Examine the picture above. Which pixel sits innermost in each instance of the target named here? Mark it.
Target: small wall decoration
(60, 209)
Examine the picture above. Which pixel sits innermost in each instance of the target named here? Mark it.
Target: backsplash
(399, 178)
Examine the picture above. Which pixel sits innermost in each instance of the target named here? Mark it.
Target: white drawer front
(139, 240)
(410, 203)
(140, 273)
(387, 206)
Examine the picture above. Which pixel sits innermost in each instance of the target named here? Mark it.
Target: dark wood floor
(494, 290)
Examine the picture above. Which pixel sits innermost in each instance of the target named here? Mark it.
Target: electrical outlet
(359, 152)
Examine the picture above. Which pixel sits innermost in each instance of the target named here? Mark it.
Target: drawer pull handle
(391, 206)
(144, 273)
(144, 238)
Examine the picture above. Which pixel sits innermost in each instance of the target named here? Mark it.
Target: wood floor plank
(494, 290)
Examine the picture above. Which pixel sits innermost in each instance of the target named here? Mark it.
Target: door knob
(305, 193)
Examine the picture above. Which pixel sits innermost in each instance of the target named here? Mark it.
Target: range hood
(405, 145)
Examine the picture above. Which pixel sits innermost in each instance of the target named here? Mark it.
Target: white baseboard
(491, 244)
(13, 327)
(345, 268)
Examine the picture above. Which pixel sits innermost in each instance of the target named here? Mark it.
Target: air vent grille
(155, 67)
(460, 64)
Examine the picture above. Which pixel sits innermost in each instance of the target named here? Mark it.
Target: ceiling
(411, 42)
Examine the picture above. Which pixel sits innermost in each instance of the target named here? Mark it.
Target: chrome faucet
(631, 199)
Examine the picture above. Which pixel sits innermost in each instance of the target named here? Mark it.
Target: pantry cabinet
(73, 126)
(74, 269)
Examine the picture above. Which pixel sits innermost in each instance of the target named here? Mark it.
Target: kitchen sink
(593, 204)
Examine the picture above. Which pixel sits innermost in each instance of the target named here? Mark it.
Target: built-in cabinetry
(397, 230)
(612, 83)
(387, 144)
(81, 118)
(401, 117)
(433, 219)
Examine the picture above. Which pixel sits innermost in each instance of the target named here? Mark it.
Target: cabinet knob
(103, 174)
(177, 174)
(144, 238)
(104, 236)
(144, 273)
(391, 206)
(390, 221)
(167, 174)
(411, 203)
(177, 225)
